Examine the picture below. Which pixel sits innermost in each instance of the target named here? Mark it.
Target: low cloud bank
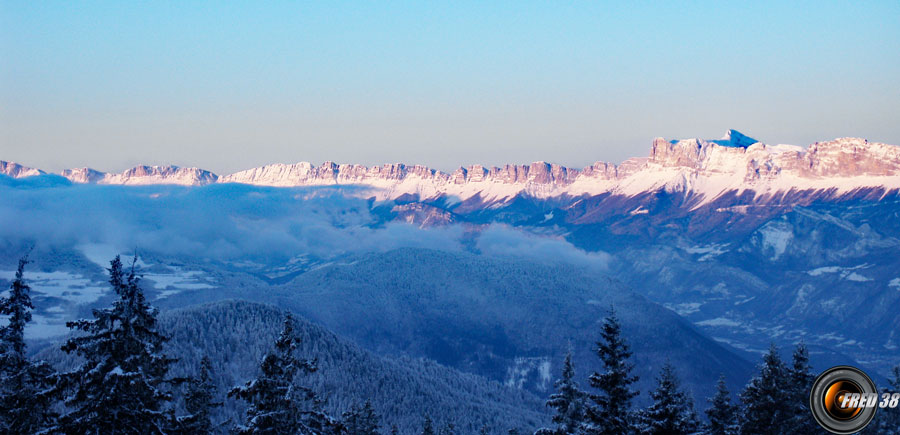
(502, 240)
(230, 221)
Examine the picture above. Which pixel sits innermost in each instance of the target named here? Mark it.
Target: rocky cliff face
(162, 175)
(83, 175)
(840, 158)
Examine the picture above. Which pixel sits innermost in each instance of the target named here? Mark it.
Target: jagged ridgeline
(235, 335)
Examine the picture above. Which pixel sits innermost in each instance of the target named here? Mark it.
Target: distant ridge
(705, 169)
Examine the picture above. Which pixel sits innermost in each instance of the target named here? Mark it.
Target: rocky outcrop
(83, 175)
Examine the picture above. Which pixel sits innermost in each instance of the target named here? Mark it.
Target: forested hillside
(235, 335)
(509, 319)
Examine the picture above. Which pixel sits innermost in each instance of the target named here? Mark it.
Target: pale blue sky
(232, 85)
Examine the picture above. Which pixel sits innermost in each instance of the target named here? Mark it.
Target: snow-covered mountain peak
(734, 138)
(15, 170)
(143, 175)
(83, 175)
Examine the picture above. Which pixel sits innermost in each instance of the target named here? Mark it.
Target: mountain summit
(734, 138)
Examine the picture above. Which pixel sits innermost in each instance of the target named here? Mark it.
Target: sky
(232, 85)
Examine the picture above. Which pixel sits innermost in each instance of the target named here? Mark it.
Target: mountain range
(705, 168)
(735, 182)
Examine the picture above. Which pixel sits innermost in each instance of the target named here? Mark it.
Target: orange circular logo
(842, 400)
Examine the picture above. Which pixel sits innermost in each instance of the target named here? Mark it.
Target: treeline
(122, 383)
(775, 401)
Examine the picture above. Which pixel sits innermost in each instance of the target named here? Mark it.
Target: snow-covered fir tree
(200, 401)
(361, 420)
(26, 388)
(722, 413)
(672, 411)
(611, 411)
(448, 429)
(119, 387)
(18, 307)
(428, 426)
(887, 420)
(892, 422)
(568, 401)
(278, 405)
(801, 380)
(766, 398)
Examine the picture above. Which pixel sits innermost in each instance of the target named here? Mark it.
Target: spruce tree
(277, 404)
(448, 429)
(26, 387)
(200, 401)
(361, 420)
(893, 421)
(672, 411)
(801, 421)
(611, 411)
(722, 414)
(18, 307)
(887, 420)
(568, 401)
(428, 426)
(767, 403)
(118, 387)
